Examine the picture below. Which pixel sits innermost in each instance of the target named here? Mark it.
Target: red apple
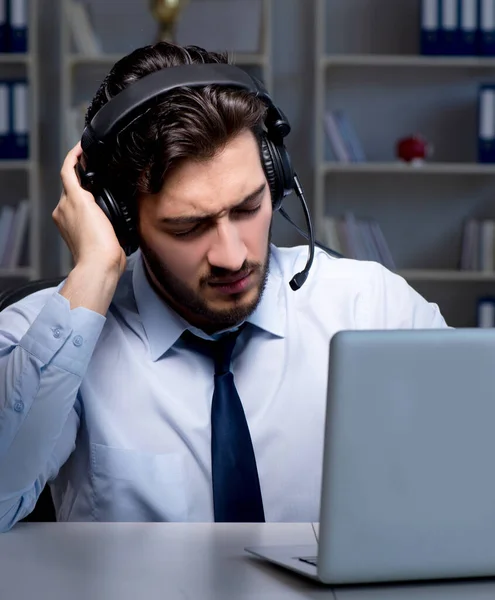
(414, 147)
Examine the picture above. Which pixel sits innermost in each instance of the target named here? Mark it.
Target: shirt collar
(163, 326)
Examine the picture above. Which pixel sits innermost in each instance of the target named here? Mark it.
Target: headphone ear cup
(120, 218)
(270, 172)
(278, 170)
(117, 212)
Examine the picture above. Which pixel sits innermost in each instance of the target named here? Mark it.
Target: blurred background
(392, 107)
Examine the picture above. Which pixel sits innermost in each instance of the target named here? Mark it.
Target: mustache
(218, 275)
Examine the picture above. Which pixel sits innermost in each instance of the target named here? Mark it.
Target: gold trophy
(167, 12)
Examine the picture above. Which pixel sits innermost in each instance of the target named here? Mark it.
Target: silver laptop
(408, 487)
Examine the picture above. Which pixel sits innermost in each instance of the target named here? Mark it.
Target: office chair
(44, 509)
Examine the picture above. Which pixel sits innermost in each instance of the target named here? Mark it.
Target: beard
(186, 301)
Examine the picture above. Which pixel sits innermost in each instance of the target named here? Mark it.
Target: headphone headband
(133, 101)
(101, 134)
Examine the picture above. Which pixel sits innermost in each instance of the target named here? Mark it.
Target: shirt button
(77, 341)
(19, 406)
(56, 332)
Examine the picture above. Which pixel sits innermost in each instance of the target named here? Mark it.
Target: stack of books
(478, 245)
(14, 92)
(458, 27)
(486, 123)
(344, 141)
(357, 238)
(13, 234)
(14, 25)
(486, 312)
(14, 119)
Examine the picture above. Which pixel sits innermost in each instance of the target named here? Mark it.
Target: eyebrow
(188, 220)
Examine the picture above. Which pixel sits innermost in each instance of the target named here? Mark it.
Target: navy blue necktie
(236, 487)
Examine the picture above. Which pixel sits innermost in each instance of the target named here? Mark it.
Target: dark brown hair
(190, 123)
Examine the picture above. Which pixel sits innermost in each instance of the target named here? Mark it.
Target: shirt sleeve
(391, 303)
(45, 349)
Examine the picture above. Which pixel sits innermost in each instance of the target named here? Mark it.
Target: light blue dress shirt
(114, 411)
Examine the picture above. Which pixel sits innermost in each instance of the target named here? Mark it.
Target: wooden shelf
(21, 272)
(446, 275)
(389, 89)
(15, 165)
(406, 169)
(413, 61)
(20, 179)
(14, 58)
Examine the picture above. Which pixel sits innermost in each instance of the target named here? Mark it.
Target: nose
(227, 251)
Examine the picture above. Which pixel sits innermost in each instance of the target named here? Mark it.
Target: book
(335, 138)
(430, 27)
(83, 35)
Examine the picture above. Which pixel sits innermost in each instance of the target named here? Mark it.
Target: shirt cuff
(64, 337)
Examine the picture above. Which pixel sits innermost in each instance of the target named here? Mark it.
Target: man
(113, 388)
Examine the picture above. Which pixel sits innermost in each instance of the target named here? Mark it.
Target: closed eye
(248, 211)
(241, 212)
(188, 232)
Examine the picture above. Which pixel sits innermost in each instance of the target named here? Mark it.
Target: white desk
(128, 561)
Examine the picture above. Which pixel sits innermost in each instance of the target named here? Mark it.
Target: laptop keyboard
(311, 560)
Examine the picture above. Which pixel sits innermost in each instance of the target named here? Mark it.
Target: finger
(68, 174)
(72, 156)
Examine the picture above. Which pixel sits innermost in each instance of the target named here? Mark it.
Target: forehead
(214, 184)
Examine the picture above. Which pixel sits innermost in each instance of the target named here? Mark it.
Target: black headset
(132, 102)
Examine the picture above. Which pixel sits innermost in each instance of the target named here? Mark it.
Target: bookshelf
(367, 62)
(446, 275)
(426, 62)
(82, 73)
(20, 179)
(400, 168)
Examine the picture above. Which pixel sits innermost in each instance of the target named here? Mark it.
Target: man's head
(192, 171)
